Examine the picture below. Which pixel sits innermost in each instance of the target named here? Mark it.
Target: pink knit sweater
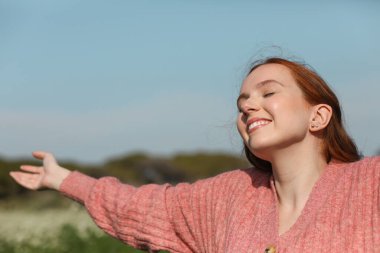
(237, 212)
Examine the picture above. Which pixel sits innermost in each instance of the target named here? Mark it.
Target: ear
(320, 117)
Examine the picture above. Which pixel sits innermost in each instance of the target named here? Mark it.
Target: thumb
(41, 155)
(48, 158)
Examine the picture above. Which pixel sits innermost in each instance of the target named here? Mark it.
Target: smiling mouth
(257, 124)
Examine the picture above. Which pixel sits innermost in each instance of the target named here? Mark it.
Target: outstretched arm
(152, 216)
(139, 217)
(49, 175)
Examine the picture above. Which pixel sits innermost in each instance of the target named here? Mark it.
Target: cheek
(287, 105)
(240, 125)
(274, 107)
(290, 112)
(298, 119)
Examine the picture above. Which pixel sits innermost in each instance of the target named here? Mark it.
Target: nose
(249, 106)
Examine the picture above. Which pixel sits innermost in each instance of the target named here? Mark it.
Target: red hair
(337, 144)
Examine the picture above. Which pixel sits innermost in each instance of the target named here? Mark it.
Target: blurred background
(146, 91)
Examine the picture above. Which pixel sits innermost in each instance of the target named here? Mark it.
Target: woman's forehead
(272, 71)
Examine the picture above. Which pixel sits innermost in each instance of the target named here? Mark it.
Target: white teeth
(258, 123)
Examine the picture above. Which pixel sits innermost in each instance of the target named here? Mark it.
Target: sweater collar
(320, 193)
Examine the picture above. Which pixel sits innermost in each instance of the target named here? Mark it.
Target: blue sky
(89, 80)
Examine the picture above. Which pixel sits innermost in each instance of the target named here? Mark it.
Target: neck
(296, 169)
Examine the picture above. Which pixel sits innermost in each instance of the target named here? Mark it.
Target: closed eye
(268, 94)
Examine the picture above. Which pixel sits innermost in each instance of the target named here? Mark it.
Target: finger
(30, 168)
(24, 179)
(40, 154)
(29, 181)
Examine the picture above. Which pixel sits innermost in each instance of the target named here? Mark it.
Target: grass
(58, 230)
(69, 240)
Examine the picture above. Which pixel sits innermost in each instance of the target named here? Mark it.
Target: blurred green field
(60, 230)
(46, 222)
(68, 240)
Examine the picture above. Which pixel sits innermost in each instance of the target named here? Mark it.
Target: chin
(261, 151)
(267, 145)
(263, 157)
(259, 146)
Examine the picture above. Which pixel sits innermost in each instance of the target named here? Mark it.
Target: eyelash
(265, 96)
(268, 94)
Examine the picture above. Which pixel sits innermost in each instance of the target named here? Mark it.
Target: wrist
(62, 174)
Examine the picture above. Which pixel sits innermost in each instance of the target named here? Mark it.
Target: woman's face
(273, 113)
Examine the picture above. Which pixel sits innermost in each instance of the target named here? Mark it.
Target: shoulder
(372, 161)
(240, 176)
(249, 176)
(235, 180)
(367, 168)
(365, 163)
(238, 187)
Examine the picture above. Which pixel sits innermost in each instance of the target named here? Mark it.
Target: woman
(307, 192)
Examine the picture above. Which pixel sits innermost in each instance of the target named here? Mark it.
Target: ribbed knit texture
(237, 212)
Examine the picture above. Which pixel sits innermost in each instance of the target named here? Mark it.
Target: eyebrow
(258, 85)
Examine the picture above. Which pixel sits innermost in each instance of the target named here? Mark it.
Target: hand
(49, 175)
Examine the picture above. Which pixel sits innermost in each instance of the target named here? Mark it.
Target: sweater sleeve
(180, 218)
(136, 216)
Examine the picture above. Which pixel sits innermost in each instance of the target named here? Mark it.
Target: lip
(252, 120)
